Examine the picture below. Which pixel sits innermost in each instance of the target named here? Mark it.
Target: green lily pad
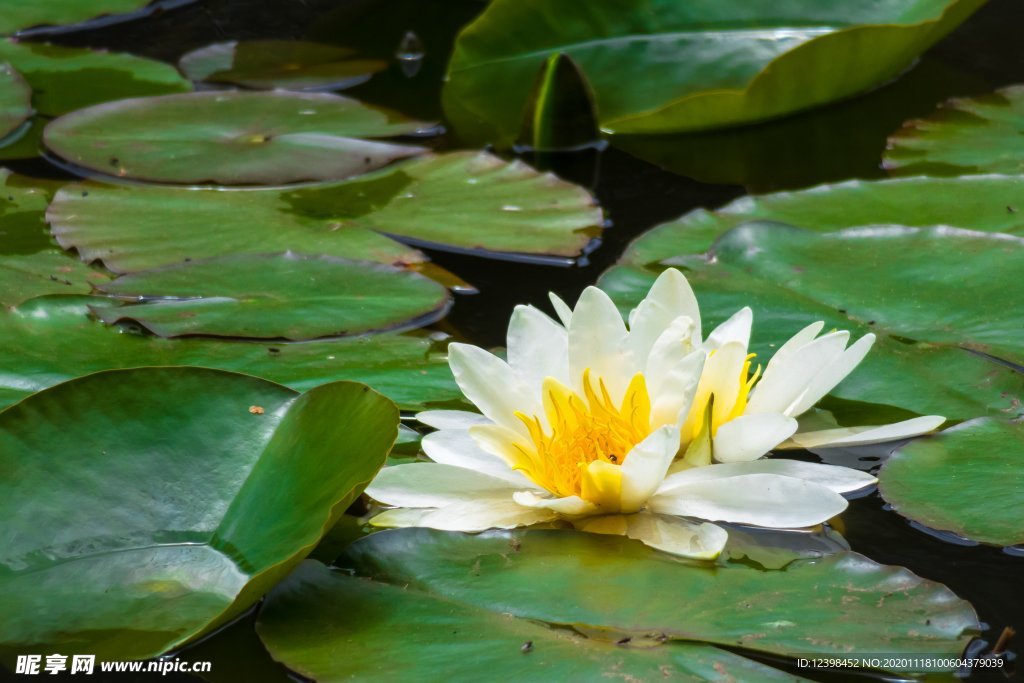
(51, 340)
(285, 296)
(844, 604)
(26, 142)
(316, 614)
(65, 79)
(22, 203)
(799, 277)
(666, 66)
(978, 135)
(284, 64)
(968, 480)
(503, 208)
(15, 100)
(992, 203)
(147, 507)
(232, 138)
(24, 276)
(52, 13)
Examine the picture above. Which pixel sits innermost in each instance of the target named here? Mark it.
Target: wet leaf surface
(150, 506)
(15, 100)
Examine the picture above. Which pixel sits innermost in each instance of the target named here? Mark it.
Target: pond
(473, 237)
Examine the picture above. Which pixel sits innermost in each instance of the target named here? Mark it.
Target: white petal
(569, 505)
(645, 466)
(780, 390)
(767, 500)
(748, 437)
(428, 485)
(669, 299)
(483, 514)
(490, 384)
(538, 347)
(597, 340)
(792, 345)
(735, 329)
(457, 448)
(722, 370)
(698, 540)
(833, 373)
(451, 419)
(838, 479)
(562, 309)
(861, 436)
(671, 403)
(400, 517)
(670, 347)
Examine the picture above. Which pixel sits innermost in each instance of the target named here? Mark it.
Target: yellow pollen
(583, 429)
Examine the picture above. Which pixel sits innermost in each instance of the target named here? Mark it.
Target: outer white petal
(791, 346)
(562, 309)
(698, 540)
(861, 436)
(671, 346)
(457, 448)
(597, 340)
(767, 500)
(483, 514)
(838, 479)
(400, 517)
(722, 371)
(748, 437)
(781, 389)
(538, 347)
(428, 485)
(669, 299)
(451, 419)
(490, 384)
(569, 505)
(833, 373)
(735, 329)
(645, 466)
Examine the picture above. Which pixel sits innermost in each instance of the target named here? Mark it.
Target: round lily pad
(968, 480)
(15, 100)
(285, 296)
(977, 135)
(284, 64)
(505, 209)
(64, 79)
(147, 507)
(232, 138)
(49, 340)
(317, 613)
(843, 604)
(51, 16)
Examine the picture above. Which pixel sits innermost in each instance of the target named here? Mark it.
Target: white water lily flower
(615, 429)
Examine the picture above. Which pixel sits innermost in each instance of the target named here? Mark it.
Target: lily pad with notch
(275, 296)
(15, 100)
(233, 138)
(284, 64)
(150, 506)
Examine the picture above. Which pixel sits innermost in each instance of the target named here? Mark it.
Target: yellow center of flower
(582, 430)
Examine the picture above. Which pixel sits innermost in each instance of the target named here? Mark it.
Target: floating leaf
(150, 506)
(286, 296)
(844, 604)
(15, 100)
(503, 208)
(25, 143)
(668, 66)
(285, 64)
(968, 480)
(51, 340)
(317, 613)
(64, 79)
(24, 276)
(50, 14)
(979, 135)
(22, 203)
(793, 277)
(232, 138)
(988, 203)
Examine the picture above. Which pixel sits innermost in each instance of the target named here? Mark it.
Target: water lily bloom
(648, 430)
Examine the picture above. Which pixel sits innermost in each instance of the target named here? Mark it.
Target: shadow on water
(667, 177)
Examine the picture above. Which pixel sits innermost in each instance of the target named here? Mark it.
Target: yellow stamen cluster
(582, 430)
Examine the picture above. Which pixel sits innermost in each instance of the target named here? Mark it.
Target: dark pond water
(679, 174)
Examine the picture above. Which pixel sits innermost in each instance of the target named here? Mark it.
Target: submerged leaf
(15, 100)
